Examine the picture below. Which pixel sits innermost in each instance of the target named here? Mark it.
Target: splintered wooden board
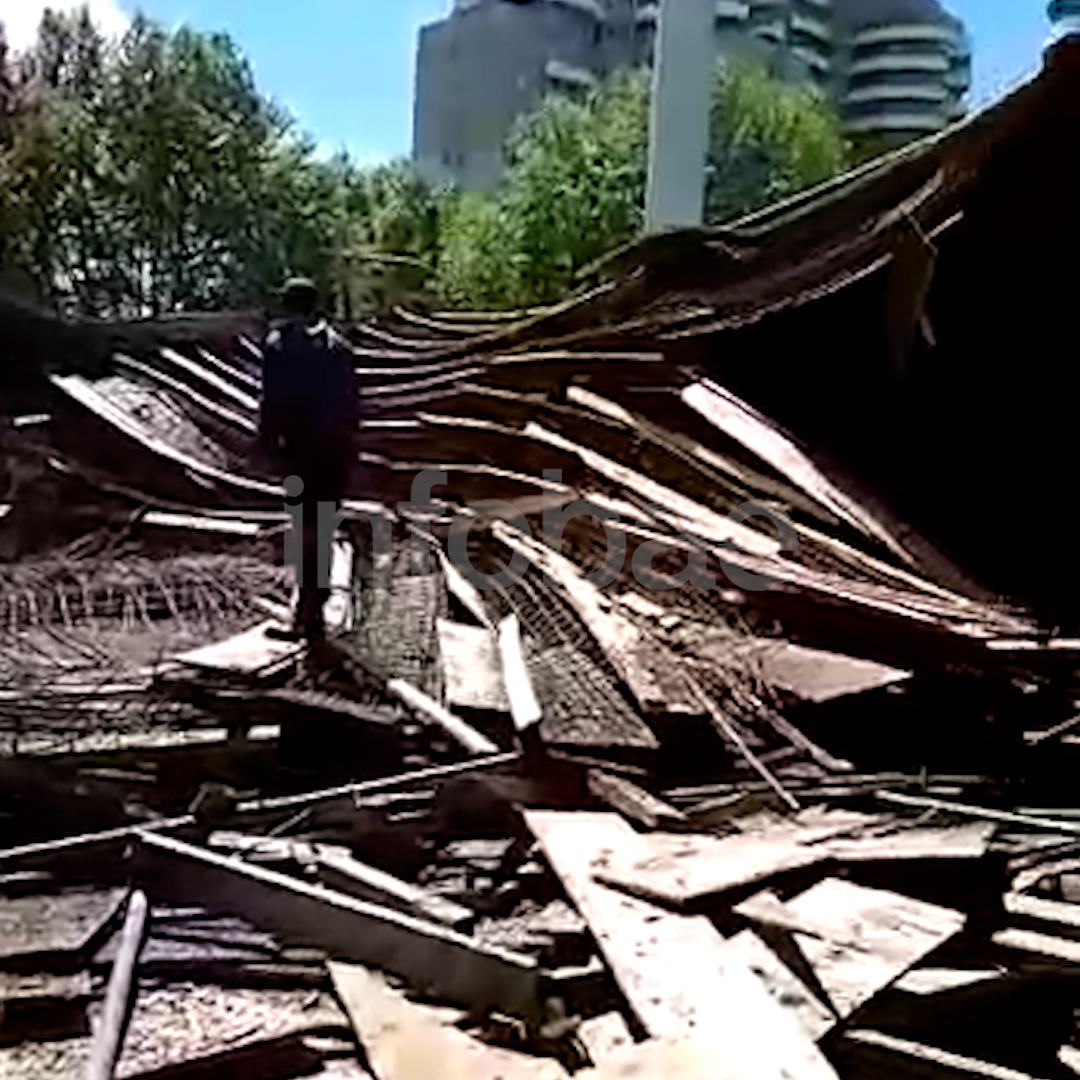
(472, 667)
(65, 923)
(246, 654)
(811, 674)
(875, 937)
(681, 869)
(970, 841)
(679, 978)
(783, 985)
(405, 1040)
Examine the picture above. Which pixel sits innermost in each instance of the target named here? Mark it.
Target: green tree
(149, 175)
(768, 140)
(477, 258)
(573, 187)
(391, 236)
(575, 178)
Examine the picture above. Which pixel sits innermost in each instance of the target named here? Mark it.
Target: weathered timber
(957, 1063)
(464, 734)
(633, 802)
(123, 981)
(524, 707)
(432, 957)
(675, 971)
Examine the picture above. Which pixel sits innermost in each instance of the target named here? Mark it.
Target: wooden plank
(432, 957)
(163, 519)
(767, 909)
(340, 870)
(633, 802)
(1047, 910)
(924, 802)
(928, 981)
(956, 1062)
(811, 674)
(1069, 1056)
(740, 422)
(782, 984)
(109, 1036)
(970, 841)
(677, 510)
(524, 707)
(465, 591)
(684, 870)
(247, 653)
(464, 734)
(404, 1040)
(675, 971)
(472, 667)
(874, 937)
(1043, 944)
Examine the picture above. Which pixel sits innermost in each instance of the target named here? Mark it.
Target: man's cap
(299, 288)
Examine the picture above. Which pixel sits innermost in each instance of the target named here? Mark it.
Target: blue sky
(345, 67)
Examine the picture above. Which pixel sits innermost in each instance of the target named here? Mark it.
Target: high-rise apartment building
(896, 68)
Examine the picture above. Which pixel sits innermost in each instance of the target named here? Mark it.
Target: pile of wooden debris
(701, 764)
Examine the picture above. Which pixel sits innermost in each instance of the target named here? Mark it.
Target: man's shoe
(283, 633)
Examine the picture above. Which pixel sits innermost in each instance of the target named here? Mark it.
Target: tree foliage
(575, 181)
(768, 140)
(148, 174)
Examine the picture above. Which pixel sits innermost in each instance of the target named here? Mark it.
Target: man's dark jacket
(309, 402)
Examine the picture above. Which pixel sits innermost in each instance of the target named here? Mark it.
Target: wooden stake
(727, 729)
(119, 996)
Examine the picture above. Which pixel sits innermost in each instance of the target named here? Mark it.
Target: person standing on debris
(308, 415)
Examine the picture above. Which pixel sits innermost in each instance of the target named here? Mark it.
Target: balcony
(871, 65)
(647, 14)
(569, 75)
(896, 121)
(902, 32)
(814, 60)
(931, 91)
(812, 27)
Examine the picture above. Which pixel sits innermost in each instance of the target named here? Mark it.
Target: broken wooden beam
(338, 869)
(524, 707)
(464, 734)
(431, 957)
(727, 729)
(633, 802)
(675, 971)
(1067, 949)
(109, 1038)
(1034, 907)
(925, 802)
(920, 1052)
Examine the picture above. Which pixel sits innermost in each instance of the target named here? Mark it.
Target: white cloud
(22, 17)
